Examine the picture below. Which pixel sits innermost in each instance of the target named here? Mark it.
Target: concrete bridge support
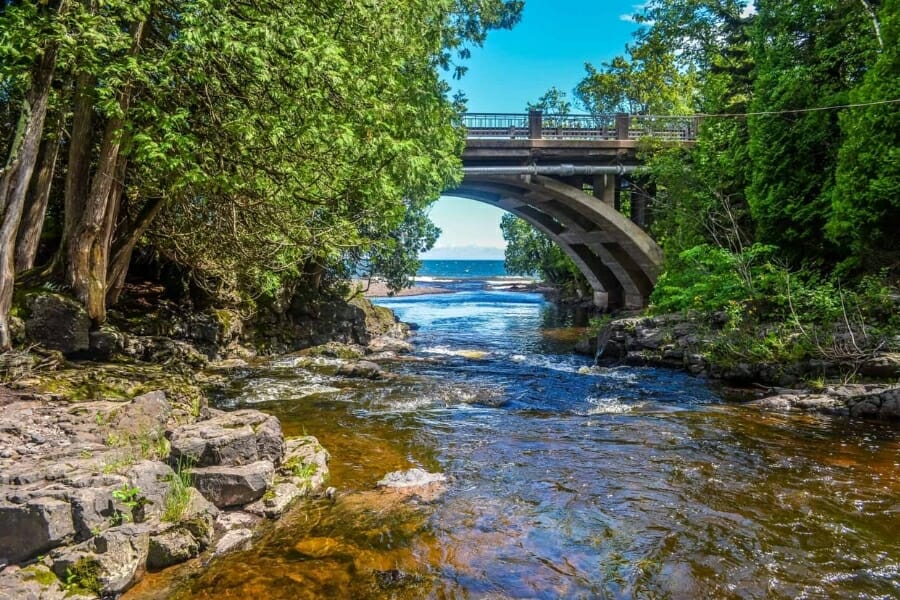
(617, 257)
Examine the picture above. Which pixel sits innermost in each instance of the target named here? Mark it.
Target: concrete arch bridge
(566, 175)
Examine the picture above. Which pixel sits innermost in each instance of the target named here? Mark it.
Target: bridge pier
(605, 188)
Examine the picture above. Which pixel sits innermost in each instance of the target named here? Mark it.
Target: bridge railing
(536, 125)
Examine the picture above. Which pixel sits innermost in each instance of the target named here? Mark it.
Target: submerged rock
(410, 478)
(362, 369)
(232, 541)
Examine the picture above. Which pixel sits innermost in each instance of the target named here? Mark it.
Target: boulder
(822, 403)
(410, 478)
(200, 518)
(153, 478)
(389, 344)
(92, 510)
(227, 486)
(107, 341)
(171, 547)
(111, 561)
(232, 439)
(57, 322)
(36, 526)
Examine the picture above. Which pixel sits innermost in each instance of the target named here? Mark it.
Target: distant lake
(460, 269)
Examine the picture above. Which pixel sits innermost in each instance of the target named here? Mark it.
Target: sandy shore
(378, 289)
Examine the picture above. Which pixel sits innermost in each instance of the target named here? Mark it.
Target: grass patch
(179, 494)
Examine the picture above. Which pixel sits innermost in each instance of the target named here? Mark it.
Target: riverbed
(563, 481)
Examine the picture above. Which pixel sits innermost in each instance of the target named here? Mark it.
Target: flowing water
(618, 483)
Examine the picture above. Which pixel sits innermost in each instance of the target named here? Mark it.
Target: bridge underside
(617, 257)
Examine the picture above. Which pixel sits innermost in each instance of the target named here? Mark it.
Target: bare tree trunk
(124, 248)
(16, 177)
(32, 224)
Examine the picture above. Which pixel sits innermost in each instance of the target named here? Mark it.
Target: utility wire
(796, 110)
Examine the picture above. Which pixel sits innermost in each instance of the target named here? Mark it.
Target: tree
(647, 81)
(866, 199)
(254, 143)
(553, 102)
(808, 54)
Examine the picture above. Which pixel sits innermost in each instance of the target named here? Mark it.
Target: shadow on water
(618, 483)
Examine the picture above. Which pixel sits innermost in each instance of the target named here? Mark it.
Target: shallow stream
(621, 483)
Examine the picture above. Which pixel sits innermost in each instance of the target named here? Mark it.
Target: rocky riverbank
(112, 462)
(93, 494)
(689, 343)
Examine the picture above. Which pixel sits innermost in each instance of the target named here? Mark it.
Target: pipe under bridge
(576, 179)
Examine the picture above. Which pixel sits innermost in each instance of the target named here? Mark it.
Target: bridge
(574, 178)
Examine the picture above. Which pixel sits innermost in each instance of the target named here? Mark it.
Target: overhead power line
(765, 113)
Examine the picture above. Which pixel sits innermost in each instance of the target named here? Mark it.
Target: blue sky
(547, 48)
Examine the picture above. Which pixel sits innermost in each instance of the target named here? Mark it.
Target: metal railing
(535, 125)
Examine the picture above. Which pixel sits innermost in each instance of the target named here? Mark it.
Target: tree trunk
(84, 275)
(124, 248)
(78, 173)
(17, 176)
(32, 224)
(88, 247)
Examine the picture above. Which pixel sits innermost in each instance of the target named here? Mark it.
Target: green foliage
(396, 258)
(647, 81)
(707, 278)
(133, 500)
(262, 143)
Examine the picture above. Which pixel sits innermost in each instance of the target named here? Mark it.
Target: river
(619, 483)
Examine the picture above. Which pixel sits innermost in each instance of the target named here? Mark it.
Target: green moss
(84, 577)
(44, 576)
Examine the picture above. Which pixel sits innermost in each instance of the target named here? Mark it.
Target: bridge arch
(619, 259)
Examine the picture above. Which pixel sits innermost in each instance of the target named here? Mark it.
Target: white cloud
(628, 18)
(750, 9)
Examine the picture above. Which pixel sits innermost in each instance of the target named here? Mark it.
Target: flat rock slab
(237, 539)
(410, 479)
(229, 439)
(227, 486)
(866, 401)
